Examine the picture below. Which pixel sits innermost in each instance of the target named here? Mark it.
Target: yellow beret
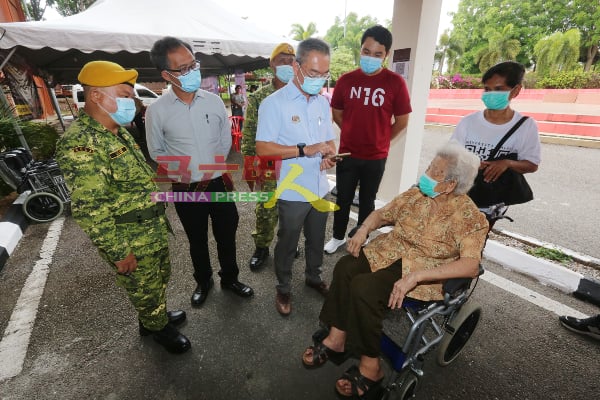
(106, 73)
(283, 48)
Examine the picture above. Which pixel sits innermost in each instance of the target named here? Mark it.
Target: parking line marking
(531, 296)
(14, 344)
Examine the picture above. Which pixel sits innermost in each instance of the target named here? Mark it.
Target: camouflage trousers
(146, 288)
(266, 219)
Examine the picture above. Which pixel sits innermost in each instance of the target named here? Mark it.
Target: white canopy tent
(124, 31)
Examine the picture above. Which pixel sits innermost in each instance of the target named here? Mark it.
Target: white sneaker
(334, 244)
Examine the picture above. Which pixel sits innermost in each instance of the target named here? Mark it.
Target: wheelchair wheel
(42, 207)
(405, 388)
(464, 324)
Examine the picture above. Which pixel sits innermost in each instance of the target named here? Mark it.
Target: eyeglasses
(326, 76)
(185, 70)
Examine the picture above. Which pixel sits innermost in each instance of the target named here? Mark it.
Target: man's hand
(127, 265)
(322, 147)
(327, 163)
(493, 169)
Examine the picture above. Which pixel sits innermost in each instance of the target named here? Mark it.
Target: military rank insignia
(77, 149)
(118, 153)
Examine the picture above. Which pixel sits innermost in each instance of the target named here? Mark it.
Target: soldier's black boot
(258, 258)
(172, 340)
(176, 318)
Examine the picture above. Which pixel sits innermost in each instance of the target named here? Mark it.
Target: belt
(199, 186)
(141, 215)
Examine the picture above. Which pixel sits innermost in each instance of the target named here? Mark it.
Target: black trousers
(224, 218)
(349, 174)
(357, 302)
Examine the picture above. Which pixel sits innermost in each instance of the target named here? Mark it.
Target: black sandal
(359, 381)
(322, 353)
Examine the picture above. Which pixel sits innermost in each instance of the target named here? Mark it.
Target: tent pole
(4, 100)
(56, 107)
(8, 57)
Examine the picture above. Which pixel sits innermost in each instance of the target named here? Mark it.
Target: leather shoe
(283, 303)
(172, 340)
(258, 258)
(176, 318)
(238, 288)
(321, 287)
(201, 293)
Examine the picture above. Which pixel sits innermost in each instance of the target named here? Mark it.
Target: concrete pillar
(414, 27)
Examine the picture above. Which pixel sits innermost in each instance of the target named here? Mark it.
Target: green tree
(299, 33)
(353, 29)
(586, 18)
(501, 47)
(72, 7)
(35, 9)
(558, 52)
(447, 52)
(342, 61)
(532, 20)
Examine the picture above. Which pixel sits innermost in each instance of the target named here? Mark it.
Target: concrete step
(563, 124)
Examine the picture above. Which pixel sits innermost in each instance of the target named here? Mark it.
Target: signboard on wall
(400, 62)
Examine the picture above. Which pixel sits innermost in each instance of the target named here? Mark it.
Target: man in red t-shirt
(371, 107)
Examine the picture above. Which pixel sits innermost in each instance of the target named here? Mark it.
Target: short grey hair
(311, 44)
(462, 165)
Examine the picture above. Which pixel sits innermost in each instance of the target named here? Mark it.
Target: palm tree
(558, 52)
(447, 51)
(501, 47)
(299, 33)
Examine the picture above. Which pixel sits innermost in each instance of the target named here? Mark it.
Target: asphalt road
(84, 342)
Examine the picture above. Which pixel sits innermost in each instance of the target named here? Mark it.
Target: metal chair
(236, 132)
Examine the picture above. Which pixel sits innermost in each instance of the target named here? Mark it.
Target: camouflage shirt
(251, 120)
(108, 176)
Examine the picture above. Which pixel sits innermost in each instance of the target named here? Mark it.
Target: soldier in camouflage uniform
(111, 186)
(281, 62)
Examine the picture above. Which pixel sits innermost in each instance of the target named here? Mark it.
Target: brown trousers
(357, 302)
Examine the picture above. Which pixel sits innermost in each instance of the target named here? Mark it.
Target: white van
(146, 95)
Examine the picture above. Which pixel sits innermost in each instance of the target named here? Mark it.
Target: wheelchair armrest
(454, 285)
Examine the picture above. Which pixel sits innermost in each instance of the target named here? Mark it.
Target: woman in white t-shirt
(481, 131)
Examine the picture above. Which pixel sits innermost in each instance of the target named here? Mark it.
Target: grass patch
(550, 254)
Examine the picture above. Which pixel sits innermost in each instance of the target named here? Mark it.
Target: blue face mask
(427, 186)
(313, 86)
(284, 73)
(495, 100)
(370, 64)
(190, 82)
(125, 110)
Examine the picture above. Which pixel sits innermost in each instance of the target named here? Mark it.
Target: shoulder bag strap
(505, 138)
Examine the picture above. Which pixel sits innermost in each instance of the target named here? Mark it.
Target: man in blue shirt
(294, 124)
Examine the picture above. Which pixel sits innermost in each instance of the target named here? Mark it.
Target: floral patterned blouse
(425, 237)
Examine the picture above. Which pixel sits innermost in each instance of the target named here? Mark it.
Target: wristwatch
(301, 147)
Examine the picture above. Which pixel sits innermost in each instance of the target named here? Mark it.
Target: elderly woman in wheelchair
(438, 234)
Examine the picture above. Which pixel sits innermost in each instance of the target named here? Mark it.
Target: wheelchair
(47, 194)
(443, 326)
